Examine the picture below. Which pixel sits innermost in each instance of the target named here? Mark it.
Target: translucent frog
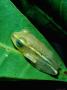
(36, 51)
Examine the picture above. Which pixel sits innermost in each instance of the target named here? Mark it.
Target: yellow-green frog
(35, 51)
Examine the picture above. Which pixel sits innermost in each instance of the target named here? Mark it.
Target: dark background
(32, 84)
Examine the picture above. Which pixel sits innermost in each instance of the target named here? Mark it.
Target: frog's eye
(19, 43)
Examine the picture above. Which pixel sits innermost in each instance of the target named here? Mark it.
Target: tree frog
(36, 51)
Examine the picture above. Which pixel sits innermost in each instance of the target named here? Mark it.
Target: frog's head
(18, 39)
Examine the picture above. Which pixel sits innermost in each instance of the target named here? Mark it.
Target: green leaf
(12, 63)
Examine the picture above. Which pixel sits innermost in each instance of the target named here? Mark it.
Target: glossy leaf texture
(12, 63)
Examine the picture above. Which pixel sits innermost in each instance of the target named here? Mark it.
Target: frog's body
(35, 51)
